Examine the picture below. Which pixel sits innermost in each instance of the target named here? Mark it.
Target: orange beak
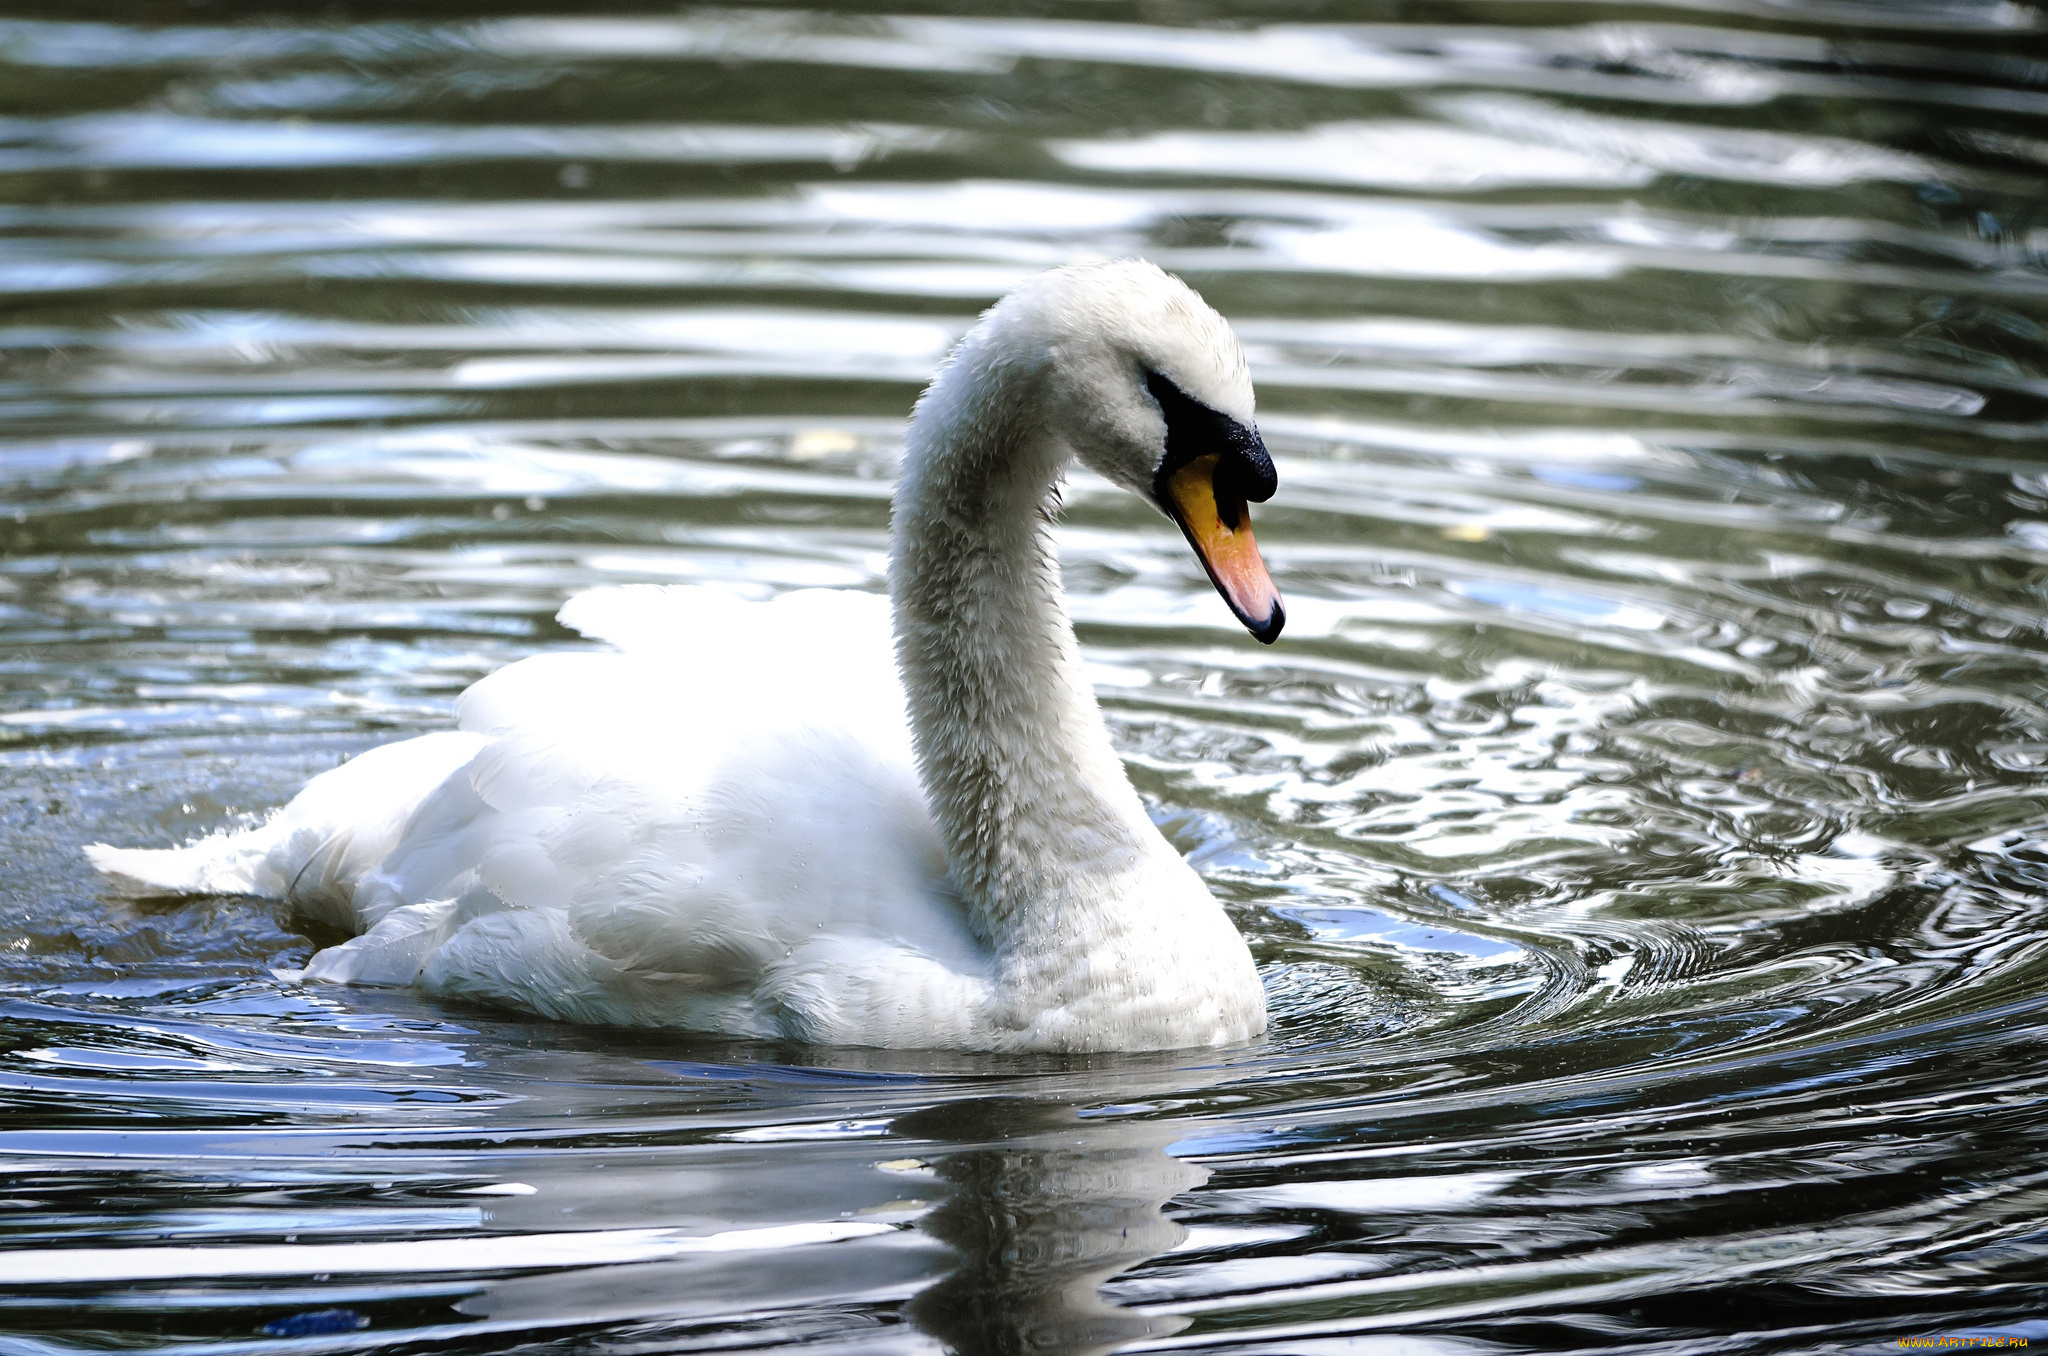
(1219, 527)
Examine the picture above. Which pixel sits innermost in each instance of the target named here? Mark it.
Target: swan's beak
(1218, 525)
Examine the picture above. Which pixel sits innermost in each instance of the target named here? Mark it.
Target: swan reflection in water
(1043, 1209)
(1034, 1207)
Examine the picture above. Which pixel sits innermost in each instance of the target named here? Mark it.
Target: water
(1642, 826)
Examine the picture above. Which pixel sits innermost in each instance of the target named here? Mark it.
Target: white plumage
(764, 819)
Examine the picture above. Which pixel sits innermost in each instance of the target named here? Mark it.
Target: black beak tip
(1268, 631)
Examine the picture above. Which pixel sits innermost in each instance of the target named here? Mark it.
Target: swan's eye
(1244, 472)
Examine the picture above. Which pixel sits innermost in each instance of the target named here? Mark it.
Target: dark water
(1643, 825)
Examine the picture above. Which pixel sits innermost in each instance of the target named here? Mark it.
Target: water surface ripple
(1642, 827)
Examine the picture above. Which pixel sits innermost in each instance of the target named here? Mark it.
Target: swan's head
(1148, 386)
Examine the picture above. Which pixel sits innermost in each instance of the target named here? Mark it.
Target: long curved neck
(1028, 792)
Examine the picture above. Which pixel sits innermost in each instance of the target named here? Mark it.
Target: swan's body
(744, 820)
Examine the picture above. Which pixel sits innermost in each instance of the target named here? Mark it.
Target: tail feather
(223, 864)
(342, 824)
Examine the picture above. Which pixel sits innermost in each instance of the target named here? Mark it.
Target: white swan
(720, 825)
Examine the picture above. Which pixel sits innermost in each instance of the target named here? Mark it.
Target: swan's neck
(1039, 820)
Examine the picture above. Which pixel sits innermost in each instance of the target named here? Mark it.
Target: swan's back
(690, 829)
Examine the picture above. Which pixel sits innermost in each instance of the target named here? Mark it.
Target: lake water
(1642, 825)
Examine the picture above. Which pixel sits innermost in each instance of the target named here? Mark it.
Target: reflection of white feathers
(719, 824)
